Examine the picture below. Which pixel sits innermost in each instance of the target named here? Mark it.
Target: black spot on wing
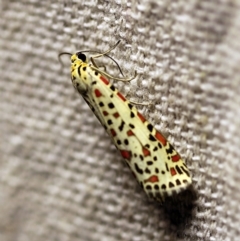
(178, 182)
(112, 87)
(121, 126)
(148, 187)
(149, 163)
(111, 105)
(130, 106)
(170, 149)
(155, 148)
(178, 169)
(139, 170)
(147, 171)
(126, 142)
(150, 127)
(151, 138)
(79, 70)
(185, 171)
(132, 126)
(109, 122)
(166, 166)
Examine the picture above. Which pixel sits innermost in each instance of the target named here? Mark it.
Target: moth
(154, 162)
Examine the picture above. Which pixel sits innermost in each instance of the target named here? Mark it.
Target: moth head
(79, 60)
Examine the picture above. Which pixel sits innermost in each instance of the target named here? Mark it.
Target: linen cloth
(61, 177)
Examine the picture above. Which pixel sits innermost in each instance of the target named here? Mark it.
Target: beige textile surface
(60, 176)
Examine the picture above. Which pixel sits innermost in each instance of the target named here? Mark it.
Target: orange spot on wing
(152, 179)
(105, 113)
(173, 171)
(176, 158)
(104, 80)
(116, 115)
(141, 117)
(130, 133)
(97, 93)
(145, 151)
(113, 132)
(126, 154)
(161, 138)
(121, 96)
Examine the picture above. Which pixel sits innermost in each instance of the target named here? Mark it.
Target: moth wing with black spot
(154, 162)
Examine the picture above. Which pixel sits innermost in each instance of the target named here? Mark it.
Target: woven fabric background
(61, 178)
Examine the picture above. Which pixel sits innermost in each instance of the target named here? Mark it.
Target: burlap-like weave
(61, 178)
